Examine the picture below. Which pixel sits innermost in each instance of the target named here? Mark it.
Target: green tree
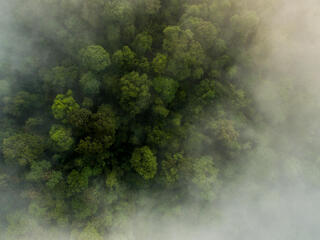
(34, 124)
(186, 56)
(94, 58)
(120, 11)
(112, 180)
(89, 233)
(54, 178)
(79, 118)
(158, 137)
(90, 84)
(205, 92)
(21, 105)
(61, 138)
(78, 181)
(135, 92)
(244, 25)
(159, 63)
(104, 125)
(144, 162)
(165, 87)
(224, 130)
(83, 209)
(124, 59)
(205, 177)
(38, 171)
(90, 146)
(204, 31)
(63, 105)
(59, 79)
(151, 6)
(22, 148)
(171, 167)
(160, 110)
(142, 43)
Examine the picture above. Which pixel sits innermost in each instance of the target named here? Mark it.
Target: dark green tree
(22, 149)
(90, 84)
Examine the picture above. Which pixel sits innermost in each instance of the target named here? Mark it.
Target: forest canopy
(112, 100)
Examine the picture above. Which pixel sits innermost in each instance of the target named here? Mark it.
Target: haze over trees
(118, 99)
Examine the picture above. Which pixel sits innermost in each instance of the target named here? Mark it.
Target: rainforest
(155, 119)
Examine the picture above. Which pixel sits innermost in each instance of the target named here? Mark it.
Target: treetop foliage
(120, 98)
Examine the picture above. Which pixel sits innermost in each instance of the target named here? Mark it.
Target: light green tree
(144, 162)
(159, 63)
(61, 137)
(205, 177)
(89, 233)
(63, 105)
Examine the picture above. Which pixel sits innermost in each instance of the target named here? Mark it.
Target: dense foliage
(119, 99)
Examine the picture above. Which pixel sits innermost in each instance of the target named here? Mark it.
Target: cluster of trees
(120, 98)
